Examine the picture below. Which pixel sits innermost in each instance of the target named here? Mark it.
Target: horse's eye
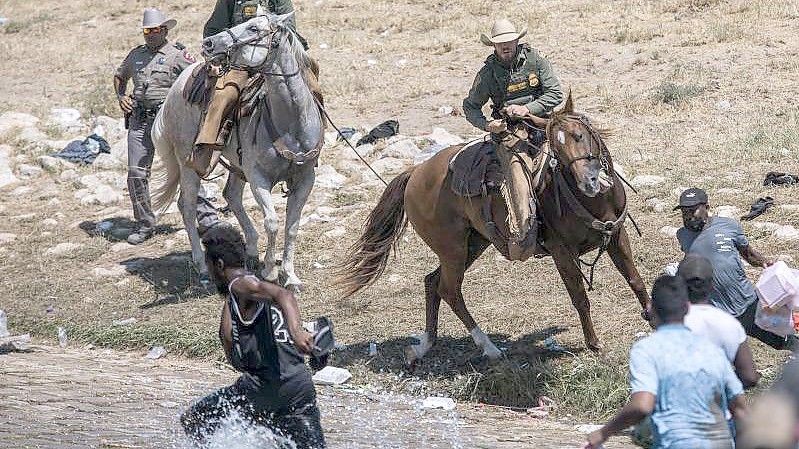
(577, 136)
(252, 28)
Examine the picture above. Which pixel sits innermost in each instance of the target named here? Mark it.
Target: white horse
(280, 141)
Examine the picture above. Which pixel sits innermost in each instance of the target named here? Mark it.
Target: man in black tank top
(263, 338)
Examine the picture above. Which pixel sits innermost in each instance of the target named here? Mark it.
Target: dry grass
(619, 56)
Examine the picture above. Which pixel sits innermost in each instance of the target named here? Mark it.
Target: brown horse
(577, 217)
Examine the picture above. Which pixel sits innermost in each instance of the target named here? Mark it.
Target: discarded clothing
(84, 152)
(758, 207)
(346, 133)
(386, 129)
(774, 178)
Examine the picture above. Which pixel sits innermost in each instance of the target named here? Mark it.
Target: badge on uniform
(188, 57)
(250, 10)
(162, 60)
(533, 80)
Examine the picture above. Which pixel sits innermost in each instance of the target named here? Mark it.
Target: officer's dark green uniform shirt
(229, 13)
(529, 76)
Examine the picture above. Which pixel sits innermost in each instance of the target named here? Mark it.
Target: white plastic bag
(777, 320)
(778, 285)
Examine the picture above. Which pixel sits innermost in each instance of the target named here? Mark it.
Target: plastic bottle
(62, 337)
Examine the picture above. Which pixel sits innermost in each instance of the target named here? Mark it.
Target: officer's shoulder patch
(188, 57)
(180, 46)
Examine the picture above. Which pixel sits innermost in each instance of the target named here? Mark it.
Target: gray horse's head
(245, 45)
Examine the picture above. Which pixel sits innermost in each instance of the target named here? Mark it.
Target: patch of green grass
(98, 97)
(675, 94)
(18, 26)
(590, 386)
(347, 198)
(773, 141)
(626, 34)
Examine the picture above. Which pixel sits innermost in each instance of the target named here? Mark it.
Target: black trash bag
(774, 178)
(386, 129)
(758, 207)
(86, 151)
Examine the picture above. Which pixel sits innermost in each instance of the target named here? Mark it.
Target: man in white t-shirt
(718, 326)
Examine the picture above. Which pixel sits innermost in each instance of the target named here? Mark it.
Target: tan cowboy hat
(502, 31)
(154, 18)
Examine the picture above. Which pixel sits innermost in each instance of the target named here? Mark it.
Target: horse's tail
(367, 258)
(169, 177)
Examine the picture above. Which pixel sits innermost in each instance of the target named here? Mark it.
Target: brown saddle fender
(199, 86)
(474, 169)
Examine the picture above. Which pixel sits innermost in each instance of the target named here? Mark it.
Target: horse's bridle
(589, 156)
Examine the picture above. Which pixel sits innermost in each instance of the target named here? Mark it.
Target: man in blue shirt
(721, 240)
(682, 379)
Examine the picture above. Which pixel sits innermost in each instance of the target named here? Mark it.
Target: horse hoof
(596, 348)
(492, 353)
(411, 355)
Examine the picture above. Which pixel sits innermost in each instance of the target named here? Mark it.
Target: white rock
(7, 237)
(587, 428)
(31, 135)
(26, 171)
(338, 231)
(181, 234)
(125, 322)
(22, 191)
(677, 191)
(68, 119)
(656, 205)
(317, 266)
(727, 211)
(328, 178)
(445, 110)
(729, 191)
(63, 248)
(389, 165)
(156, 352)
(723, 105)
(119, 150)
(81, 193)
(68, 175)
(54, 164)
(109, 272)
(4, 325)
(6, 175)
(787, 233)
(642, 181)
(105, 161)
(324, 46)
(105, 194)
(12, 120)
(443, 137)
(400, 148)
(668, 231)
(431, 402)
(315, 218)
(120, 246)
(330, 375)
(766, 226)
(109, 128)
(789, 207)
(50, 223)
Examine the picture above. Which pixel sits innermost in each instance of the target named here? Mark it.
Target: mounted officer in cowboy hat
(516, 79)
(153, 68)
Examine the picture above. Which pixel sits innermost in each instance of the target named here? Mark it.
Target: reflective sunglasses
(147, 31)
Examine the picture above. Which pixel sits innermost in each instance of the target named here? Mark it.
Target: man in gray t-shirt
(722, 241)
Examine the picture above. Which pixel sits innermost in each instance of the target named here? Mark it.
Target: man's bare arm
(640, 406)
(754, 257)
(745, 366)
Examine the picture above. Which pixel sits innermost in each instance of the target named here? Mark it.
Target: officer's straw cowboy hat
(502, 31)
(154, 18)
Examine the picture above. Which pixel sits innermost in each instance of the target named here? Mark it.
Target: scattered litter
(587, 428)
(723, 105)
(346, 133)
(386, 129)
(17, 343)
(317, 266)
(4, 325)
(125, 322)
(50, 309)
(552, 345)
(758, 208)
(668, 231)
(671, 268)
(168, 404)
(401, 62)
(86, 151)
(446, 110)
(89, 347)
(3, 21)
(371, 61)
(774, 178)
(62, 337)
(640, 335)
(432, 402)
(372, 349)
(330, 375)
(156, 352)
(545, 405)
(324, 46)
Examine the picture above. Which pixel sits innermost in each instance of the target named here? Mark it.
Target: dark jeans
(747, 320)
(288, 408)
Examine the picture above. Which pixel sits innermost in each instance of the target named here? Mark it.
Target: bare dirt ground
(700, 92)
(78, 398)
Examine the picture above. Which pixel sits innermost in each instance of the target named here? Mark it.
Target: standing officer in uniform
(214, 129)
(153, 67)
(515, 77)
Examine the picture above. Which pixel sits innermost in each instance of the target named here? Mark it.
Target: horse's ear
(568, 108)
(283, 20)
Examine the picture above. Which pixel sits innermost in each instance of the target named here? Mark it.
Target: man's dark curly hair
(226, 244)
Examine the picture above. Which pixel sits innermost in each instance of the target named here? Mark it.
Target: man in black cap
(721, 240)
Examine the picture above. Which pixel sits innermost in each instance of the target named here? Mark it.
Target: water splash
(237, 432)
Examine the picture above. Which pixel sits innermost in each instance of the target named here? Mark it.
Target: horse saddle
(200, 86)
(475, 169)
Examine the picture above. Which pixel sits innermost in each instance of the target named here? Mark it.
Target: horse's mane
(561, 117)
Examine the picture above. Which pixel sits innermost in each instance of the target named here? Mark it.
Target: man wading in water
(263, 338)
